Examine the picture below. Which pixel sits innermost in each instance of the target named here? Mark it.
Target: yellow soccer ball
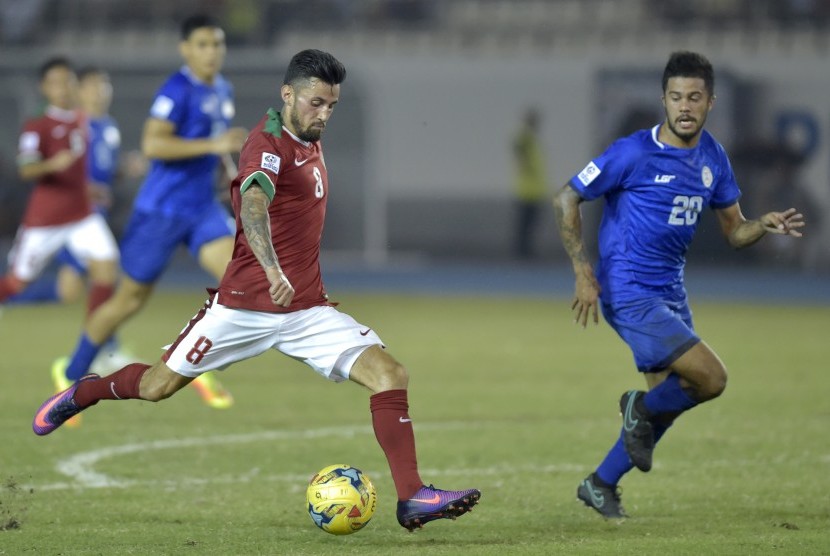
(341, 499)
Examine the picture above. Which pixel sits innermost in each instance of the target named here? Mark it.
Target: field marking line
(80, 468)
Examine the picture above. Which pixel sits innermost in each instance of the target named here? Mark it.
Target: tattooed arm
(569, 221)
(256, 224)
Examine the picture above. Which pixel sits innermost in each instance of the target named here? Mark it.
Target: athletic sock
(81, 360)
(617, 463)
(41, 291)
(393, 430)
(668, 397)
(8, 287)
(120, 385)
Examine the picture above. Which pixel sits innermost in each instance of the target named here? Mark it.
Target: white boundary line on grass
(81, 472)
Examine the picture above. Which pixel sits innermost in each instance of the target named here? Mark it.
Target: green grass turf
(507, 396)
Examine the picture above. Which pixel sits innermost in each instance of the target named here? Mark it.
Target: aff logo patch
(589, 174)
(271, 162)
(162, 107)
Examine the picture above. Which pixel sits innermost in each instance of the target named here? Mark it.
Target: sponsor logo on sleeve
(589, 174)
(29, 141)
(162, 107)
(271, 162)
(228, 110)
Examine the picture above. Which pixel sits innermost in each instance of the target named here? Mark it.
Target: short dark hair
(54, 62)
(689, 64)
(311, 63)
(197, 22)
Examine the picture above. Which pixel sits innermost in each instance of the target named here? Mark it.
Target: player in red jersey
(272, 295)
(59, 212)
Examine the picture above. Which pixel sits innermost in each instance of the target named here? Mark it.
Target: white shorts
(89, 239)
(323, 338)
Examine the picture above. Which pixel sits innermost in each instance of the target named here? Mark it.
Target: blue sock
(617, 463)
(42, 291)
(668, 397)
(82, 359)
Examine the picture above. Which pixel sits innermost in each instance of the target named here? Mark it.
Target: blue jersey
(104, 146)
(654, 195)
(198, 111)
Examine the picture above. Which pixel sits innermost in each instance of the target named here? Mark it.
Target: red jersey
(293, 174)
(61, 197)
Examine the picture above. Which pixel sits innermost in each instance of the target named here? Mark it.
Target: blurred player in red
(272, 295)
(59, 214)
(104, 165)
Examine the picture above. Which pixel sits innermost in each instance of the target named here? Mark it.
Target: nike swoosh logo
(364, 332)
(39, 418)
(597, 498)
(402, 420)
(628, 422)
(298, 162)
(434, 500)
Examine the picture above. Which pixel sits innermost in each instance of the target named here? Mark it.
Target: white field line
(81, 472)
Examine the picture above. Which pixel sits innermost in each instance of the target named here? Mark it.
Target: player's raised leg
(417, 504)
(135, 381)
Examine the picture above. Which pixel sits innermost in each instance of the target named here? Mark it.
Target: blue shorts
(66, 258)
(658, 331)
(151, 238)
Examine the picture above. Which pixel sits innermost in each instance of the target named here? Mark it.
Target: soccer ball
(341, 499)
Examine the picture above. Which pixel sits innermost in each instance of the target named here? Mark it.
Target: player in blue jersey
(655, 183)
(187, 137)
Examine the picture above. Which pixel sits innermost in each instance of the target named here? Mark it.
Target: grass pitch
(507, 395)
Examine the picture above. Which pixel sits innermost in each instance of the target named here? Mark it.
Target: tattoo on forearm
(257, 226)
(570, 230)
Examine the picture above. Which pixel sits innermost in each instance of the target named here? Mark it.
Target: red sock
(120, 385)
(98, 294)
(9, 286)
(393, 429)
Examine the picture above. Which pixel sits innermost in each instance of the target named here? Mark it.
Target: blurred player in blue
(656, 182)
(186, 137)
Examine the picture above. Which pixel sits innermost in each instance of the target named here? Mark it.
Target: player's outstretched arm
(159, 141)
(742, 232)
(569, 221)
(256, 224)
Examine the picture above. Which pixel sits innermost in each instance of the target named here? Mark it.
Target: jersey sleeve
(170, 102)
(259, 162)
(604, 173)
(28, 145)
(726, 191)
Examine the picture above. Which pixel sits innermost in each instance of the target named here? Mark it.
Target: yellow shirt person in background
(530, 183)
